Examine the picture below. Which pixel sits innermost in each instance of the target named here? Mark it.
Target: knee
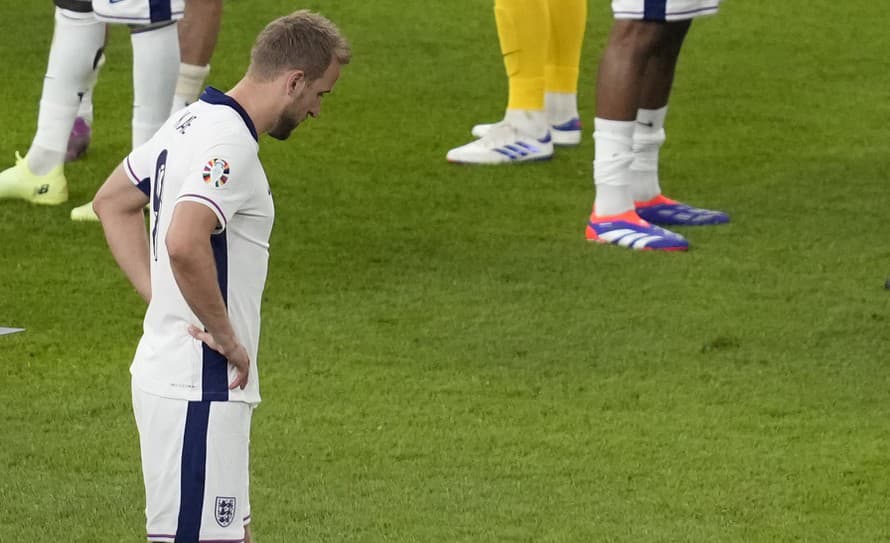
(643, 39)
(637, 38)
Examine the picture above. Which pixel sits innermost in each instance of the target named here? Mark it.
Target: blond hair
(302, 40)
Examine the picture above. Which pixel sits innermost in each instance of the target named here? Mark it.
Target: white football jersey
(205, 153)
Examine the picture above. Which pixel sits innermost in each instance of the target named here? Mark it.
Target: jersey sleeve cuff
(201, 199)
(142, 184)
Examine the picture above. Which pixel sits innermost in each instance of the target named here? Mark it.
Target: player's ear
(296, 82)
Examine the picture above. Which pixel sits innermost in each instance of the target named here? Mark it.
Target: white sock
(155, 65)
(561, 107)
(528, 121)
(613, 144)
(85, 111)
(189, 84)
(76, 39)
(648, 137)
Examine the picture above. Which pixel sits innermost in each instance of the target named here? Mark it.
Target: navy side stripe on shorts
(159, 10)
(655, 10)
(194, 472)
(79, 6)
(215, 372)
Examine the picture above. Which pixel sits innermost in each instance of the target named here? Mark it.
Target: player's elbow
(178, 248)
(182, 248)
(117, 198)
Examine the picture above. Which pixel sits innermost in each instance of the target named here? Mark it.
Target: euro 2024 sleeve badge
(216, 173)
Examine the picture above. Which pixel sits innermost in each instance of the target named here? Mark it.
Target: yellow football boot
(84, 213)
(18, 182)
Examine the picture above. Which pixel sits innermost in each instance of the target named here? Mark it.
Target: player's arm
(193, 265)
(119, 204)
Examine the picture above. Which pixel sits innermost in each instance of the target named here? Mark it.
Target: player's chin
(282, 132)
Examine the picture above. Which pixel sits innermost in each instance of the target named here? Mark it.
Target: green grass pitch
(444, 358)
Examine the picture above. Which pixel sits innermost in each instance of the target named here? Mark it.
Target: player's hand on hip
(235, 353)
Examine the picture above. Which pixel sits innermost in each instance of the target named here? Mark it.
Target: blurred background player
(81, 132)
(632, 90)
(75, 53)
(197, 32)
(541, 45)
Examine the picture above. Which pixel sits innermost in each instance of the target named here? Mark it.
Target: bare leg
(659, 72)
(198, 31)
(623, 69)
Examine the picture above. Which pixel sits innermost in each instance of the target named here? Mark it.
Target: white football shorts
(138, 12)
(663, 10)
(195, 465)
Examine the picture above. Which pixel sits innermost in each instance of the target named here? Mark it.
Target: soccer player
(197, 32)
(202, 268)
(78, 40)
(541, 45)
(633, 85)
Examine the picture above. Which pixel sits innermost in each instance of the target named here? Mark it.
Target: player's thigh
(226, 496)
(663, 10)
(162, 427)
(138, 12)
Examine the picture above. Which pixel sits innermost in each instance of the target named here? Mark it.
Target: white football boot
(503, 143)
(565, 134)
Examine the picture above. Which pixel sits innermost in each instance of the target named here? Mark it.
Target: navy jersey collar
(217, 97)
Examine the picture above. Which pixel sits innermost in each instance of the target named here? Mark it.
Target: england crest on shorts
(225, 511)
